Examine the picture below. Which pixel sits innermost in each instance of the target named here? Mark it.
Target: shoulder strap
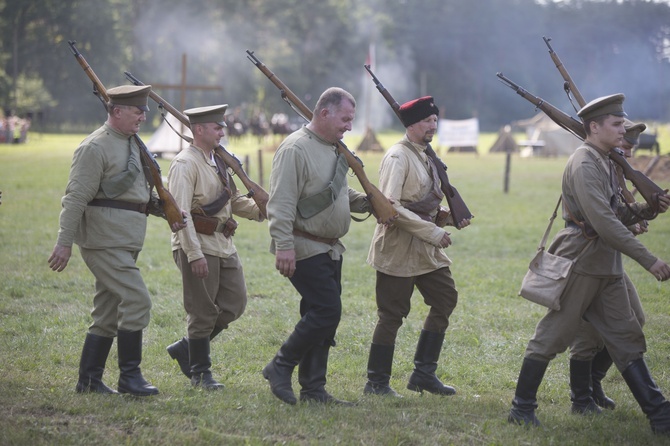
(543, 242)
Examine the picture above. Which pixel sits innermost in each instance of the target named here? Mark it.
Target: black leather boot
(580, 388)
(92, 364)
(380, 363)
(200, 361)
(312, 377)
(278, 372)
(131, 380)
(525, 397)
(648, 396)
(179, 352)
(600, 364)
(425, 364)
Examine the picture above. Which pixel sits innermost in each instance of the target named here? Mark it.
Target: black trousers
(318, 280)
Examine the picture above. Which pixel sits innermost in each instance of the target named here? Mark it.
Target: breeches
(394, 296)
(121, 301)
(318, 280)
(602, 302)
(588, 342)
(216, 300)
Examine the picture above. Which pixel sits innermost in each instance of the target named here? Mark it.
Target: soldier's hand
(59, 257)
(285, 262)
(660, 270)
(663, 202)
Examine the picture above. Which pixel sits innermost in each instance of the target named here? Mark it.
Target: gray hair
(333, 97)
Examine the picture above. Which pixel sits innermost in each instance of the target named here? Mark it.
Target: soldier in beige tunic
(105, 212)
(589, 358)
(596, 290)
(214, 289)
(308, 212)
(410, 254)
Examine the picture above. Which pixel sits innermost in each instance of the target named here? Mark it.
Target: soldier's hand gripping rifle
(259, 195)
(648, 189)
(172, 212)
(458, 208)
(382, 207)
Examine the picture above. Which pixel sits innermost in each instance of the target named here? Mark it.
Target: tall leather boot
(278, 372)
(648, 396)
(525, 397)
(425, 364)
(179, 352)
(580, 388)
(200, 361)
(130, 356)
(312, 371)
(380, 363)
(92, 364)
(600, 364)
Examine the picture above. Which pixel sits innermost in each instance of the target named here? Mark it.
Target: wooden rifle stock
(648, 189)
(382, 207)
(172, 212)
(459, 210)
(255, 191)
(569, 85)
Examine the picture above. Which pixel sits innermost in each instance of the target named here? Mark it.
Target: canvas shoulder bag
(548, 274)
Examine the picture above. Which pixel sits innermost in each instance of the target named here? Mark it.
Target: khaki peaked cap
(131, 95)
(212, 113)
(605, 105)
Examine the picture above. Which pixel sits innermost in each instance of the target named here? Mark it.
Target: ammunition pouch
(209, 225)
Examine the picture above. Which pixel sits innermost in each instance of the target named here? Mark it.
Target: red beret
(417, 110)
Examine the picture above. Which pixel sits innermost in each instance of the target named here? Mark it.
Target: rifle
(259, 195)
(172, 212)
(569, 85)
(458, 208)
(382, 207)
(648, 189)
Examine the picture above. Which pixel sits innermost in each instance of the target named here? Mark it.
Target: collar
(419, 147)
(115, 132)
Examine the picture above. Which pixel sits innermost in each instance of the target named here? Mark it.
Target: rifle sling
(431, 201)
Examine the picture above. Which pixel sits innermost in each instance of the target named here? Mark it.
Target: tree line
(449, 49)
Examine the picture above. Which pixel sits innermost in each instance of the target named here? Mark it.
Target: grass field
(44, 317)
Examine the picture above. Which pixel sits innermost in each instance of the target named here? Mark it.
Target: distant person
(589, 358)
(596, 290)
(410, 254)
(309, 212)
(105, 208)
(214, 290)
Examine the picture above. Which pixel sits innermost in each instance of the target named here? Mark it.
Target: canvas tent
(164, 142)
(545, 137)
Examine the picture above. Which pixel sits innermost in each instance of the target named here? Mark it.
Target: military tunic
(303, 166)
(220, 298)
(109, 239)
(407, 254)
(596, 290)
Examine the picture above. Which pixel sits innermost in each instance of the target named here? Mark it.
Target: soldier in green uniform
(215, 293)
(104, 211)
(589, 358)
(596, 290)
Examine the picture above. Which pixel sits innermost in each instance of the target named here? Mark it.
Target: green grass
(44, 317)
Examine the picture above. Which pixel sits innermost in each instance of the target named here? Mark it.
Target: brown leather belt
(117, 204)
(316, 238)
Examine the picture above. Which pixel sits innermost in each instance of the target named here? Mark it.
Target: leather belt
(117, 204)
(316, 238)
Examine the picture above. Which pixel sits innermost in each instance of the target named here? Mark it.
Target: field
(44, 317)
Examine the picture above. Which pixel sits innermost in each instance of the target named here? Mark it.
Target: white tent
(546, 138)
(165, 142)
